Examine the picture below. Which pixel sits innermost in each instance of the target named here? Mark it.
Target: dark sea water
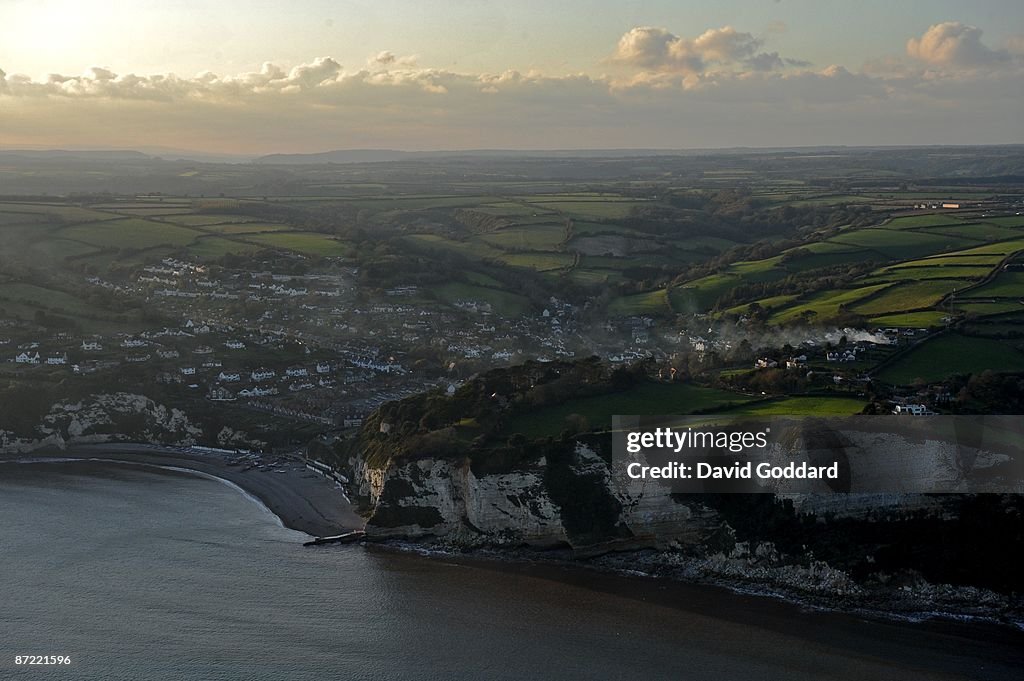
(144, 575)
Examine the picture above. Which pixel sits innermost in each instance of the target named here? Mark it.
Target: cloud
(388, 59)
(719, 88)
(953, 44)
(766, 61)
(104, 83)
(658, 49)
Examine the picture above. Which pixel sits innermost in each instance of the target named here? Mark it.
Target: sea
(132, 573)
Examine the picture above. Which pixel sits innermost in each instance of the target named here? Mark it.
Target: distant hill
(338, 156)
(86, 154)
(383, 155)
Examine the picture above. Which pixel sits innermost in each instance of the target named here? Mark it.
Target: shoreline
(300, 499)
(893, 606)
(311, 503)
(710, 592)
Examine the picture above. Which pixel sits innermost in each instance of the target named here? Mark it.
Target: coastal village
(317, 349)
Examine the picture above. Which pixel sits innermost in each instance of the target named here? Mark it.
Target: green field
(204, 220)
(824, 304)
(954, 259)
(943, 356)
(977, 231)
(581, 228)
(832, 200)
(59, 249)
(542, 262)
(533, 238)
(611, 245)
(766, 303)
(984, 308)
(701, 294)
(818, 247)
(13, 218)
(420, 202)
(593, 277)
(649, 303)
(607, 210)
(649, 398)
(913, 320)
(307, 243)
(1008, 284)
(1008, 221)
(42, 297)
(901, 245)
(145, 203)
(936, 272)
(847, 255)
(64, 213)
(131, 233)
(230, 228)
(1000, 248)
(473, 248)
(153, 212)
(910, 296)
(802, 406)
(513, 210)
(913, 221)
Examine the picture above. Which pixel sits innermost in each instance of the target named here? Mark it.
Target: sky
(260, 77)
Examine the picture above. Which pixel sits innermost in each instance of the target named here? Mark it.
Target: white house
(257, 392)
(296, 372)
(25, 358)
(188, 371)
(57, 360)
(263, 374)
(234, 345)
(219, 394)
(796, 362)
(91, 346)
(913, 410)
(229, 378)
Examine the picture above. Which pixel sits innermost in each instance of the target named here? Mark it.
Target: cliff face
(566, 495)
(570, 501)
(442, 498)
(106, 418)
(459, 470)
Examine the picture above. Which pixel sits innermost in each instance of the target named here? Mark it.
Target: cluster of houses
(327, 307)
(30, 357)
(368, 340)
